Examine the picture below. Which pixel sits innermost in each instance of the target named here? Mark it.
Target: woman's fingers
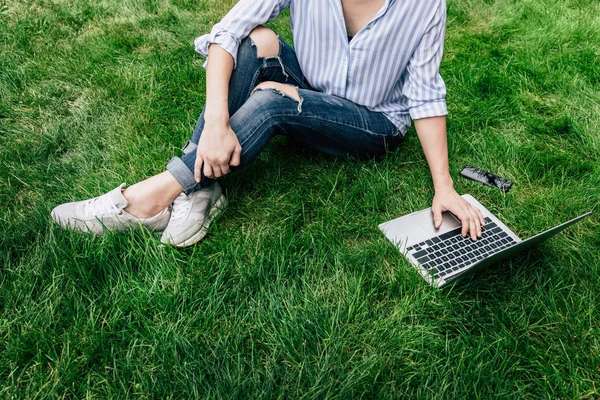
(473, 225)
(236, 157)
(225, 168)
(208, 170)
(480, 215)
(464, 220)
(197, 168)
(437, 216)
(217, 173)
(214, 169)
(478, 219)
(470, 216)
(470, 223)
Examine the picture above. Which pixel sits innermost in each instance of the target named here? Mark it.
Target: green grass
(294, 293)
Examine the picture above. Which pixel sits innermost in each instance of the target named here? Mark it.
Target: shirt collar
(336, 5)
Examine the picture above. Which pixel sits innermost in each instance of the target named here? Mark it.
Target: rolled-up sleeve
(238, 23)
(425, 89)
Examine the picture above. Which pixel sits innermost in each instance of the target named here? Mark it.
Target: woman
(360, 71)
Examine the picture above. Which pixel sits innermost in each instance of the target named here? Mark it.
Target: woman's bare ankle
(149, 197)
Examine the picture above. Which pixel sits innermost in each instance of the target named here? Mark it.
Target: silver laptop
(442, 255)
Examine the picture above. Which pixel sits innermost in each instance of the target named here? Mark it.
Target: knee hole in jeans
(266, 42)
(282, 89)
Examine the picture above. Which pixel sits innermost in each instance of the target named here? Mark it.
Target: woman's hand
(218, 150)
(446, 199)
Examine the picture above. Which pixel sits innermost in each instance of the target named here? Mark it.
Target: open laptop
(442, 255)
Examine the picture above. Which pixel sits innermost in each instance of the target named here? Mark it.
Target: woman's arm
(238, 23)
(432, 134)
(426, 93)
(218, 148)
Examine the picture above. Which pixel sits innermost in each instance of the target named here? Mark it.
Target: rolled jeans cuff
(182, 174)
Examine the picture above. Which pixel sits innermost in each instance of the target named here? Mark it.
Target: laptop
(443, 255)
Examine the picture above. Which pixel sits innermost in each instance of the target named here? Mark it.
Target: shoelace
(181, 207)
(101, 206)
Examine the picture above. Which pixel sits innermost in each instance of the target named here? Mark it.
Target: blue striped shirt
(390, 66)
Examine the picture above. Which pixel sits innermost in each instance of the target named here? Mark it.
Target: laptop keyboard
(445, 254)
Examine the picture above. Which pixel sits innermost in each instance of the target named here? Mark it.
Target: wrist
(443, 184)
(216, 118)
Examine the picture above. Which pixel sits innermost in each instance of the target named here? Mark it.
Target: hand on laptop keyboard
(447, 199)
(448, 253)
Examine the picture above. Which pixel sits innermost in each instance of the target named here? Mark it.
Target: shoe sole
(216, 210)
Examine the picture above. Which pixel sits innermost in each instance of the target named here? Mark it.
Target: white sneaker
(192, 214)
(106, 212)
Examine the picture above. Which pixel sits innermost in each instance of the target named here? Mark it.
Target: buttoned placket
(339, 13)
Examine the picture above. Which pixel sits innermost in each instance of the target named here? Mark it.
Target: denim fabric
(326, 123)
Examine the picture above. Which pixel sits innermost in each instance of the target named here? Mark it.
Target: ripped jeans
(323, 122)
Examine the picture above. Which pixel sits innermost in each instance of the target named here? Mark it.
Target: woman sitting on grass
(360, 71)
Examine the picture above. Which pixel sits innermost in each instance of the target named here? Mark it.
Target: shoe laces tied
(180, 208)
(102, 205)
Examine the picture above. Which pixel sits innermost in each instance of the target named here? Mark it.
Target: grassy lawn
(294, 293)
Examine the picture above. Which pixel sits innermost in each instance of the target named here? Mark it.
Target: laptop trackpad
(424, 220)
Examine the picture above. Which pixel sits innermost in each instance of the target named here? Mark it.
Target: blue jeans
(326, 123)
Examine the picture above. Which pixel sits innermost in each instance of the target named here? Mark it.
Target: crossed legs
(268, 95)
(148, 197)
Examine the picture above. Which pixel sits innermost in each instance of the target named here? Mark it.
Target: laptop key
(450, 234)
(420, 254)
(423, 260)
(435, 240)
